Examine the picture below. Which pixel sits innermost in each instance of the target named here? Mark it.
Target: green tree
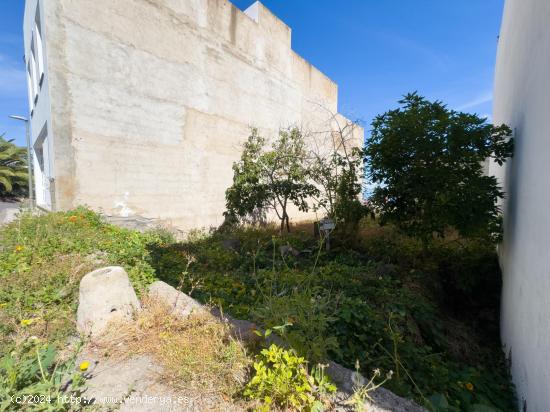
(270, 178)
(428, 163)
(13, 169)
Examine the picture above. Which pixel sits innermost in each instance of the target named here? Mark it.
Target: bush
(308, 315)
(281, 380)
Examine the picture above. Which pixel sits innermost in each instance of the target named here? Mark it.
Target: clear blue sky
(376, 50)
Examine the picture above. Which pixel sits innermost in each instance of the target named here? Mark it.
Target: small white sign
(326, 225)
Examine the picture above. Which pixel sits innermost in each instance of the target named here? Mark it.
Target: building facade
(140, 107)
(522, 101)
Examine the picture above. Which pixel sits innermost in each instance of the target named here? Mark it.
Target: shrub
(281, 380)
(308, 314)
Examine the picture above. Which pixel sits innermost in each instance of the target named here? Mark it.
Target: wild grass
(197, 354)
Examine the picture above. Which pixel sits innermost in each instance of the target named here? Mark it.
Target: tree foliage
(270, 178)
(13, 169)
(428, 163)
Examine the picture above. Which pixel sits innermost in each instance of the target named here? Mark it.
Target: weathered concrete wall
(522, 100)
(152, 99)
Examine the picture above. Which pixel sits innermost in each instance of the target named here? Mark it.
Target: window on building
(39, 46)
(30, 87)
(34, 73)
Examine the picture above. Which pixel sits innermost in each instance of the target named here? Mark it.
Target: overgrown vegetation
(383, 303)
(42, 259)
(13, 170)
(386, 303)
(33, 377)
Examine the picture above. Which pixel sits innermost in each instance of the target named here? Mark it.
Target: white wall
(522, 100)
(39, 112)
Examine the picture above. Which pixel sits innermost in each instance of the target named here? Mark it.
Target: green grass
(430, 316)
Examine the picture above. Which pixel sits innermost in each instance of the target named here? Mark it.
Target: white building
(522, 101)
(139, 108)
(39, 104)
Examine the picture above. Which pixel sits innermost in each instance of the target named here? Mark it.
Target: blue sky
(376, 50)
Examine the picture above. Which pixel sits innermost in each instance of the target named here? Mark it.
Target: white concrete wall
(151, 101)
(39, 114)
(522, 100)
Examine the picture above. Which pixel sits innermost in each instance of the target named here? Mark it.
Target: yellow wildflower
(73, 218)
(26, 322)
(469, 386)
(18, 248)
(84, 366)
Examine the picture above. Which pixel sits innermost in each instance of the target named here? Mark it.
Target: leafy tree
(13, 169)
(428, 163)
(270, 179)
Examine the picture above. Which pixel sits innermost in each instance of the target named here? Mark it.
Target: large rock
(181, 304)
(383, 400)
(105, 295)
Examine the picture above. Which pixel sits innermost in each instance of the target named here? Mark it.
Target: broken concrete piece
(182, 304)
(382, 400)
(105, 295)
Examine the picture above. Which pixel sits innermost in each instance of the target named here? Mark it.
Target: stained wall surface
(151, 101)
